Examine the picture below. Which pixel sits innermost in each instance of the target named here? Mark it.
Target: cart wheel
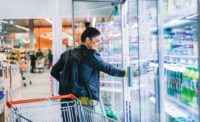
(24, 84)
(30, 82)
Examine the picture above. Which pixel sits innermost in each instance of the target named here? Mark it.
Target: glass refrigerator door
(106, 17)
(143, 53)
(181, 72)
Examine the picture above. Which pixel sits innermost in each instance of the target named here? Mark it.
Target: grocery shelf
(180, 107)
(174, 67)
(112, 82)
(110, 89)
(176, 23)
(182, 56)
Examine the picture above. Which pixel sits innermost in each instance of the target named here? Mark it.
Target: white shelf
(111, 82)
(182, 56)
(109, 89)
(174, 67)
(178, 21)
(179, 108)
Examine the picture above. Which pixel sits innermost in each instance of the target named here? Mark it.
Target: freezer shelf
(176, 108)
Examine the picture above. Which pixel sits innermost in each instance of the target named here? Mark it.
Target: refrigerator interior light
(5, 22)
(23, 28)
(192, 16)
(45, 37)
(175, 22)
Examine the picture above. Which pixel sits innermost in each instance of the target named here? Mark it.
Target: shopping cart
(50, 110)
(25, 72)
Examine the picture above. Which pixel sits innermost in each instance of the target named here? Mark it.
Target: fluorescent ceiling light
(48, 20)
(94, 21)
(23, 28)
(45, 37)
(191, 16)
(4, 21)
(69, 37)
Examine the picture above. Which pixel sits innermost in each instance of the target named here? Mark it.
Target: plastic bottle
(192, 84)
(170, 83)
(179, 83)
(184, 88)
(190, 75)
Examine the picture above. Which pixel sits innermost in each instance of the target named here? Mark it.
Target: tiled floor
(40, 86)
(47, 111)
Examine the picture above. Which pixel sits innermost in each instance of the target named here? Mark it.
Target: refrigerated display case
(106, 17)
(181, 72)
(148, 56)
(177, 30)
(161, 36)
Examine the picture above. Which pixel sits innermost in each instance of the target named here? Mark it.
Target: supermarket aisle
(39, 88)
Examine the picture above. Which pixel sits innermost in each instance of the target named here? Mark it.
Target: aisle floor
(40, 86)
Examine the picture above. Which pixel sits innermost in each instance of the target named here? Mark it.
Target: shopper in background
(50, 58)
(89, 66)
(33, 61)
(39, 54)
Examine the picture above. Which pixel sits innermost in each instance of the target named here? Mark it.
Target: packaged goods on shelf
(183, 85)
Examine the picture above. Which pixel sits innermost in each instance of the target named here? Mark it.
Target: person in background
(50, 58)
(33, 61)
(39, 54)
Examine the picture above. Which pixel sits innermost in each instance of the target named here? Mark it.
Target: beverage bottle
(184, 85)
(167, 80)
(181, 83)
(192, 84)
(188, 91)
(170, 83)
(174, 83)
(178, 85)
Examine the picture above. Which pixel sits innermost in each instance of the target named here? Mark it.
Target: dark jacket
(89, 69)
(50, 57)
(33, 59)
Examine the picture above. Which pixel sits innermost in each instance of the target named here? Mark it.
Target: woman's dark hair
(87, 24)
(89, 32)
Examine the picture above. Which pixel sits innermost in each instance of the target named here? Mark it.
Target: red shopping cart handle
(10, 103)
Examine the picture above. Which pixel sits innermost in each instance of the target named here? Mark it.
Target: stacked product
(183, 85)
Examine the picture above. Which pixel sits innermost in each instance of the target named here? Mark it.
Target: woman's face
(93, 43)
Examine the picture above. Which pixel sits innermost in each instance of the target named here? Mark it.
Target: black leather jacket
(89, 69)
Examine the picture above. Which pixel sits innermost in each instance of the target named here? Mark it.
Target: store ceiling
(11, 24)
(84, 11)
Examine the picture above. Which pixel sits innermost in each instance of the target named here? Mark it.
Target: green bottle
(184, 85)
(190, 73)
(192, 84)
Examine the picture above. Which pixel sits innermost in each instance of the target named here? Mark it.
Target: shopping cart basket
(50, 110)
